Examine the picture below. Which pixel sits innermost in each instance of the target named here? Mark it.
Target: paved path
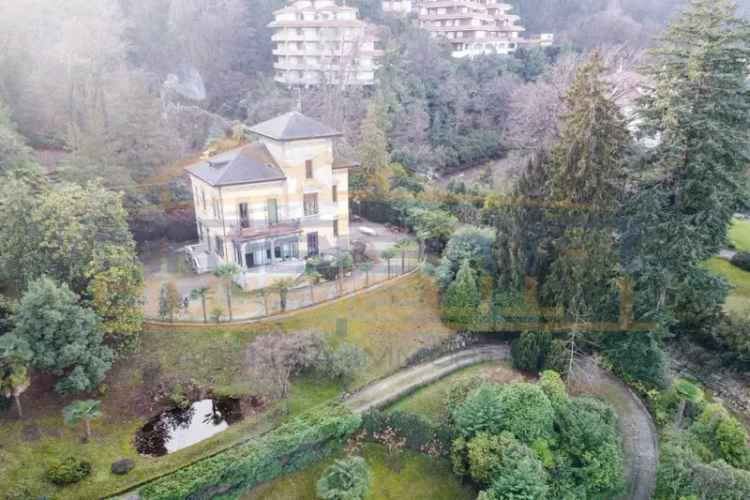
(640, 438)
(403, 383)
(639, 432)
(727, 254)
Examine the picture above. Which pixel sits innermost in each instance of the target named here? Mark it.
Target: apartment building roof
(246, 165)
(293, 126)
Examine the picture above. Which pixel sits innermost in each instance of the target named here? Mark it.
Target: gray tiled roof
(245, 165)
(293, 126)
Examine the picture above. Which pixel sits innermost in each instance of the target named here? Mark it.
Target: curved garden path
(638, 430)
(404, 382)
(640, 438)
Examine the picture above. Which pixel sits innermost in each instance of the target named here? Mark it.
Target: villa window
(272, 212)
(244, 216)
(203, 195)
(336, 228)
(309, 169)
(219, 247)
(311, 204)
(335, 193)
(312, 245)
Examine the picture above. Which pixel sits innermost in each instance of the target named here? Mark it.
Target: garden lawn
(390, 323)
(409, 475)
(739, 298)
(428, 401)
(739, 234)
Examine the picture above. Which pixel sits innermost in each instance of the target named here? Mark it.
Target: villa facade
(473, 27)
(268, 206)
(319, 42)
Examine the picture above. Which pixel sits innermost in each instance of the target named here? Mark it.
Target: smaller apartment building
(319, 42)
(268, 206)
(473, 27)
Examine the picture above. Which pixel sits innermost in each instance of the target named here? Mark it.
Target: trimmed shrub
(482, 411)
(69, 470)
(305, 439)
(590, 447)
(741, 260)
(489, 454)
(638, 356)
(524, 479)
(553, 386)
(461, 299)
(122, 467)
(471, 244)
(347, 479)
(527, 412)
(530, 350)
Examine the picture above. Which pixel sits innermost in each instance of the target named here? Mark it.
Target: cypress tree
(462, 298)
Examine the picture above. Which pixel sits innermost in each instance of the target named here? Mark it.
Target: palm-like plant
(366, 267)
(201, 293)
(263, 293)
(14, 380)
(404, 245)
(82, 411)
(312, 277)
(343, 261)
(15, 355)
(686, 391)
(227, 272)
(282, 287)
(388, 254)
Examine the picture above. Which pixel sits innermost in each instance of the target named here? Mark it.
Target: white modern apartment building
(320, 42)
(473, 27)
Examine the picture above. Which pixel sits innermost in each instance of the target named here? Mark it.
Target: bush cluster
(303, 440)
(683, 474)
(532, 441)
(69, 470)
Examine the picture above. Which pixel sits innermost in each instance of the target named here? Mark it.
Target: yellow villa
(268, 206)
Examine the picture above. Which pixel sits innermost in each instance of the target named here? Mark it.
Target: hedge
(420, 434)
(741, 260)
(304, 440)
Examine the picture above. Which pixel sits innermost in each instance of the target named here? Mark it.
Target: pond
(179, 428)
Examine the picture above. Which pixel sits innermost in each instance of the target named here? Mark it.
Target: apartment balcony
(262, 230)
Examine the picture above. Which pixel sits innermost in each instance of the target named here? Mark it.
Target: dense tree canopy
(64, 337)
(699, 108)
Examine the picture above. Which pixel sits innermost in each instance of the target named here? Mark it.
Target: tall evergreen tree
(462, 298)
(699, 109)
(588, 160)
(371, 181)
(586, 182)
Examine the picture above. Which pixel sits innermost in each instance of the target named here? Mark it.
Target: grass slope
(410, 475)
(739, 235)
(739, 298)
(390, 323)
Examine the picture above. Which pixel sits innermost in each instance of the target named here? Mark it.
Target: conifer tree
(699, 110)
(462, 298)
(586, 183)
(371, 181)
(588, 159)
